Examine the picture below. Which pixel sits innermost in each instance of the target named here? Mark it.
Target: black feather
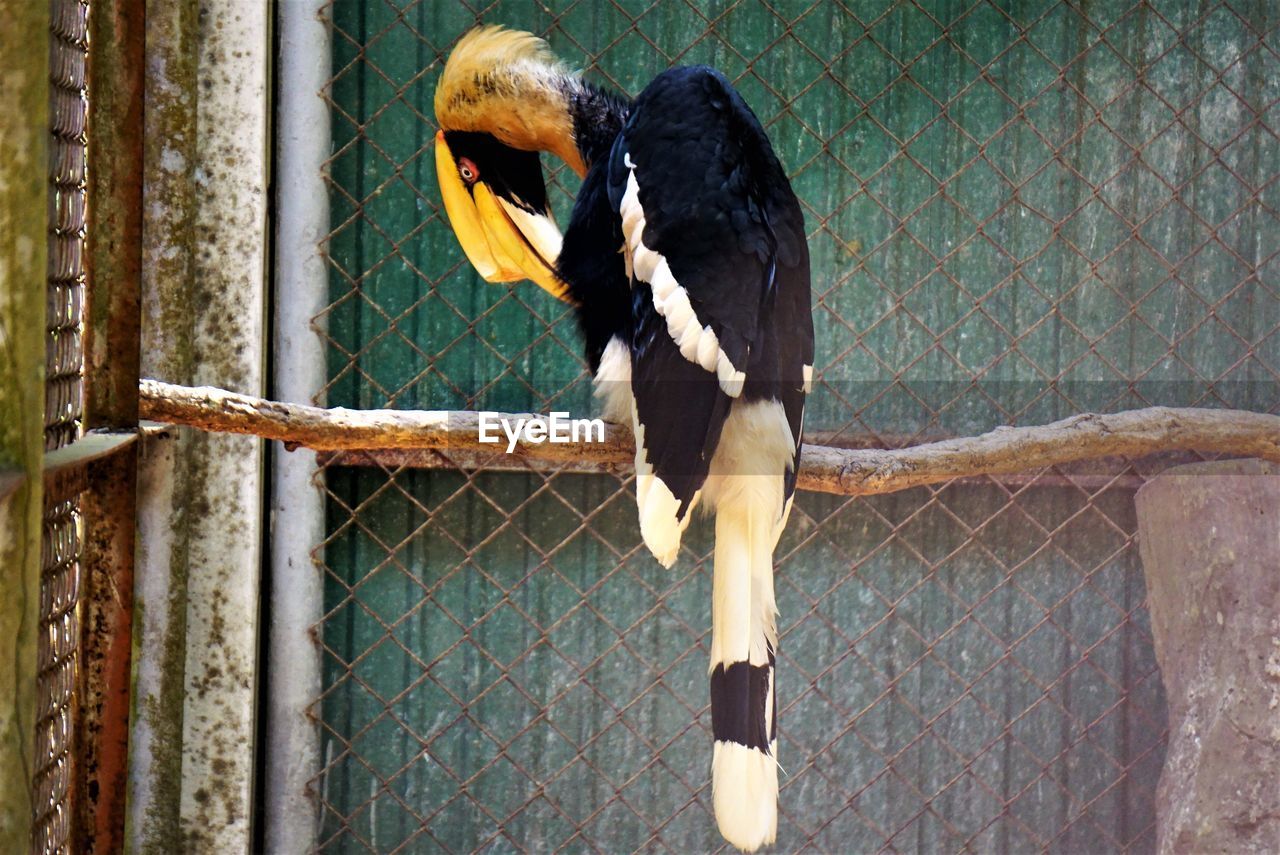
(592, 265)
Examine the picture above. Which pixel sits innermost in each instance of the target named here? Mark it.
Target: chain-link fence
(59, 640)
(1016, 212)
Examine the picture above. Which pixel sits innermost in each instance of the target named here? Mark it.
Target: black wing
(720, 217)
(593, 268)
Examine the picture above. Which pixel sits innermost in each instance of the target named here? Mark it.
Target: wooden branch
(1002, 451)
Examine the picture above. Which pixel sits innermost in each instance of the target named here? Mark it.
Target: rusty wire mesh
(59, 637)
(58, 663)
(64, 360)
(1016, 211)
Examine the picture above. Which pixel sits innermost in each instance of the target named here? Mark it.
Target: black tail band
(739, 694)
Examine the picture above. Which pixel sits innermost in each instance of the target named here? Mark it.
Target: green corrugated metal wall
(1017, 211)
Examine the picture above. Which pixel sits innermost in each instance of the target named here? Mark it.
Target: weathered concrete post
(1210, 544)
(204, 234)
(24, 188)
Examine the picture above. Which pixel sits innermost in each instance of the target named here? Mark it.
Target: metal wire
(1016, 212)
(64, 362)
(58, 663)
(59, 643)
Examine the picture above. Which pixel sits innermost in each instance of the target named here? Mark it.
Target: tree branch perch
(1003, 451)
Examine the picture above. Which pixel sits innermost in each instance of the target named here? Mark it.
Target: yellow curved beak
(503, 242)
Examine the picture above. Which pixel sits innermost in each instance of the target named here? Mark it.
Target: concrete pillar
(200, 498)
(24, 134)
(1210, 544)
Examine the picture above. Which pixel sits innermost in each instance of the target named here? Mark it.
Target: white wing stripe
(708, 349)
(697, 341)
(731, 379)
(690, 339)
(661, 279)
(629, 207)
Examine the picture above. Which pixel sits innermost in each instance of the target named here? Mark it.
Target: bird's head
(501, 99)
(497, 204)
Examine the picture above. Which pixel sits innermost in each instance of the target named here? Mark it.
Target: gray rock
(1210, 545)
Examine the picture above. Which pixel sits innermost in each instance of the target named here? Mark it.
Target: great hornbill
(686, 259)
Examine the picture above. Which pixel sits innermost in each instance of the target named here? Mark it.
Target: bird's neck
(598, 115)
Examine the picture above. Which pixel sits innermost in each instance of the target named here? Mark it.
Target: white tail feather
(744, 781)
(744, 791)
(746, 486)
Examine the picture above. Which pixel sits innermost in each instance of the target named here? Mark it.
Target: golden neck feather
(509, 84)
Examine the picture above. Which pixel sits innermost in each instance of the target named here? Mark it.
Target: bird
(686, 260)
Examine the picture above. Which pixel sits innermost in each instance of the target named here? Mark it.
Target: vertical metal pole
(116, 77)
(24, 132)
(106, 641)
(297, 500)
(114, 244)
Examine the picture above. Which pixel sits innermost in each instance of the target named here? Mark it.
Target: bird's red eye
(468, 170)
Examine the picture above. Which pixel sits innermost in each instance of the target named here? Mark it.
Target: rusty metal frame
(92, 474)
(112, 356)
